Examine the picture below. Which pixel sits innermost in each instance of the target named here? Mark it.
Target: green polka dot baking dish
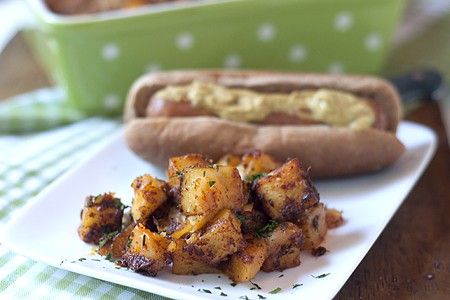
(96, 55)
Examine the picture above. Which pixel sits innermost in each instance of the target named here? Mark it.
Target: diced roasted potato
(186, 262)
(235, 217)
(147, 251)
(220, 238)
(257, 163)
(116, 246)
(314, 226)
(283, 247)
(179, 163)
(286, 192)
(229, 160)
(149, 194)
(207, 190)
(333, 218)
(246, 263)
(101, 215)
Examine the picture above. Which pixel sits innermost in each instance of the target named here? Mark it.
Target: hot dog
(337, 125)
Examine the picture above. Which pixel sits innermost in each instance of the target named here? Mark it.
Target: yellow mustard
(328, 106)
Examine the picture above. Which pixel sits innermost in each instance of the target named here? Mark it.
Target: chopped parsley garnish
(205, 291)
(240, 218)
(130, 240)
(223, 294)
(211, 183)
(261, 297)
(107, 237)
(109, 257)
(233, 284)
(118, 204)
(275, 291)
(81, 259)
(296, 285)
(264, 231)
(321, 276)
(255, 285)
(255, 176)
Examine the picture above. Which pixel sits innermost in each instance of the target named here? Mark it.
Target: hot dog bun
(328, 151)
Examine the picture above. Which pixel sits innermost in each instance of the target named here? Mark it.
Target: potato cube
(179, 163)
(246, 263)
(283, 246)
(314, 226)
(149, 194)
(333, 218)
(256, 163)
(207, 190)
(229, 160)
(286, 192)
(147, 251)
(220, 238)
(101, 215)
(186, 262)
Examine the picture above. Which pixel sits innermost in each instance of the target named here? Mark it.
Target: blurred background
(92, 63)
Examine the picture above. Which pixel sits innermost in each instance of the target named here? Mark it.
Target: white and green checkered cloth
(49, 138)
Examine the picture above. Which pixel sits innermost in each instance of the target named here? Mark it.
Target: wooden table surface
(411, 258)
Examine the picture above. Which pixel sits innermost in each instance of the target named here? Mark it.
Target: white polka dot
(336, 67)
(185, 41)
(153, 68)
(111, 101)
(110, 51)
(343, 21)
(232, 61)
(266, 32)
(52, 45)
(373, 42)
(298, 53)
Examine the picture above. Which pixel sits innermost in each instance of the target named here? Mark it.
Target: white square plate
(46, 228)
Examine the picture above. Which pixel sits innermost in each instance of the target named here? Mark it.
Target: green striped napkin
(39, 110)
(53, 138)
